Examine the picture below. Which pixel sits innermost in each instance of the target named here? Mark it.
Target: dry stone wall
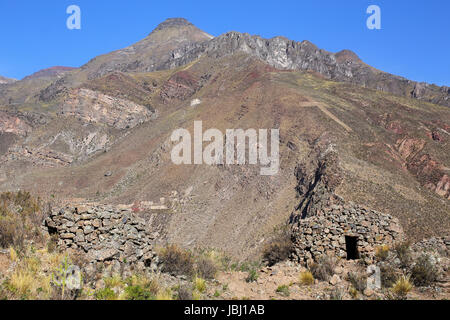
(328, 232)
(112, 234)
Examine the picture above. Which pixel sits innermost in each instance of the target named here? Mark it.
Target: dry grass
(323, 269)
(402, 287)
(382, 252)
(306, 278)
(278, 249)
(20, 219)
(177, 261)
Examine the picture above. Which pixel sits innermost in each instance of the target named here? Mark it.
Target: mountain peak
(173, 22)
(347, 55)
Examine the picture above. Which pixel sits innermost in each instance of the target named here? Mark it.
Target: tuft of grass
(382, 252)
(200, 284)
(353, 292)
(306, 278)
(402, 287)
(164, 295)
(252, 276)
(283, 290)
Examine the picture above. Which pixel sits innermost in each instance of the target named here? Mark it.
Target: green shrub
(177, 261)
(139, 293)
(424, 273)
(252, 276)
(283, 290)
(105, 294)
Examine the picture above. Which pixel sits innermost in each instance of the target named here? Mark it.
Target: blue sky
(414, 41)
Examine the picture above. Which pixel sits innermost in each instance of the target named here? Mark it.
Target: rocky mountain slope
(102, 132)
(4, 80)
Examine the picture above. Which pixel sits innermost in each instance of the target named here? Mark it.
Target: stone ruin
(103, 234)
(323, 223)
(347, 231)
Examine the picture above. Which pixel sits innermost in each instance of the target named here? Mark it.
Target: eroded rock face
(95, 107)
(181, 86)
(13, 124)
(4, 80)
(106, 234)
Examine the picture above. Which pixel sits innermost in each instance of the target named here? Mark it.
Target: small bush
(278, 249)
(358, 281)
(353, 292)
(206, 268)
(402, 287)
(323, 269)
(403, 253)
(138, 293)
(382, 253)
(336, 294)
(20, 219)
(283, 290)
(252, 276)
(185, 293)
(177, 261)
(141, 288)
(306, 278)
(164, 295)
(388, 276)
(200, 284)
(424, 273)
(105, 294)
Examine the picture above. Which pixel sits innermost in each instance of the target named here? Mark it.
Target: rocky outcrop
(104, 234)
(181, 86)
(4, 80)
(317, 179)
(10, 123)
(53, 72)
(95, 107)
(283, 53)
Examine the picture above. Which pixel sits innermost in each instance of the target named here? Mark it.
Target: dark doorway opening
(351, 245)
